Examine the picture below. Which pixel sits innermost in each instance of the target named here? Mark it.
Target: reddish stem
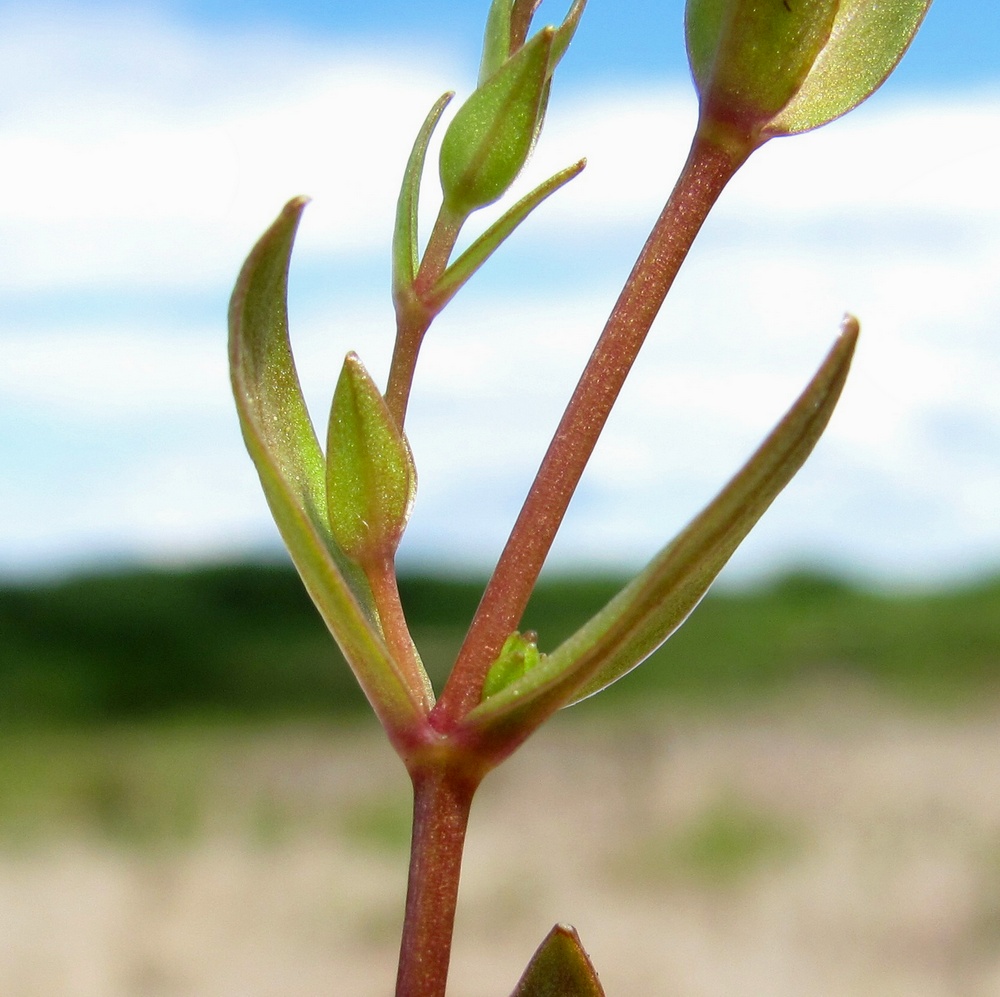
(708, 169)
(442, 797)
(381, 575)
(413, 317)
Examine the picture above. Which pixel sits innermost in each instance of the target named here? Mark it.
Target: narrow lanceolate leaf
(867, 41)
(282, 442)
(560, 968)
(565, 32)
(648, 610)
(370, 478)
(496, 40)
(453, 279)
(405, 247)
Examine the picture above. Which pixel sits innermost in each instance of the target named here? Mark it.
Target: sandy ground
(830, 846)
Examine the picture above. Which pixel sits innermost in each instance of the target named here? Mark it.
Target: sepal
(785, 66)
(493, 132)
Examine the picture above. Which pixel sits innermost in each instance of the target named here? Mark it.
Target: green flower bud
(490, 138)
(370, 478)
(492, 134)
(775, 67)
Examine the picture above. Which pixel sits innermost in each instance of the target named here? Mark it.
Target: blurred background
(798, 794)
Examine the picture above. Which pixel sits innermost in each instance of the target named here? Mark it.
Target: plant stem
(381, 575)
(413, 318)
(442, 796)
(708, 169)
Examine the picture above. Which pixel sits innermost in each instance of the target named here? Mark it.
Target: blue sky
(145, 146)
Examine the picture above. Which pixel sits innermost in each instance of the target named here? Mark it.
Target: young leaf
(370, 478)
(867, 41)
(648, 610)
(453, 279)
(565, 32)
(282, 442)
(560, 968)
(405, 248)
(496, 40)
(518, 656)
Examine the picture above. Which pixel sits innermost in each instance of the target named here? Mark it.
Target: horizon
(138, 181)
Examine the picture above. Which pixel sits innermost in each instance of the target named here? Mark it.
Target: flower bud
(490, 138)
(776, 67)
(370, 479)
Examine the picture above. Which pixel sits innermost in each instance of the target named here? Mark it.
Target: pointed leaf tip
(281, 440)
(651, 607)
(370, 478)
(560, 968)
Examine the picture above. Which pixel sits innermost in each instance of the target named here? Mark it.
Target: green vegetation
(721, 847)
(244, 642)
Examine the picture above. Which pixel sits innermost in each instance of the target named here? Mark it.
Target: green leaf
(565, 32)
(492, 134)
(648, 610)
(496, 41)
(405, 248)
(517, 657)
(282, 442)
(560, 968)
(370, 478)
(867, 41)
(454, 278)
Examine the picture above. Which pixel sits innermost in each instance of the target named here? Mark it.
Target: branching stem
(413, 317)
(708, 169)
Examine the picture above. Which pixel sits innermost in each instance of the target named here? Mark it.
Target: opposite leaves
(648, 610)
(280, 438)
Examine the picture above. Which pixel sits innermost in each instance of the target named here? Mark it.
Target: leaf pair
(333, 515)
(485, 146)
(648, 610)
(405, 244)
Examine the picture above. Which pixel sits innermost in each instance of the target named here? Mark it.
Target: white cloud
(150, 154)
(144, 160)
